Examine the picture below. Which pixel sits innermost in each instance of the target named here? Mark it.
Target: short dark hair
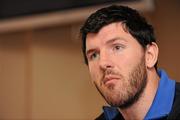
(134, 23)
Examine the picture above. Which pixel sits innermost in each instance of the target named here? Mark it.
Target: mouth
(109, 80)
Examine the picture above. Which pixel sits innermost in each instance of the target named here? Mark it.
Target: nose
(105, 61)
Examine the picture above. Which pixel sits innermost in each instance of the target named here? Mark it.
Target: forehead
(109, 32)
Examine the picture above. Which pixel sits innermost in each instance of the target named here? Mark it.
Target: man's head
(118, 46)
(133, 22)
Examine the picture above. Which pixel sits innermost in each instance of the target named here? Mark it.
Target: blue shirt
(162, 103)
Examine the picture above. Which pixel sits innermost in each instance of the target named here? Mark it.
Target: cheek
(93, 70)
(126, 63)
(122, 62)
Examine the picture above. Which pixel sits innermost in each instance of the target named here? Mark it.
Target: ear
(152, 52)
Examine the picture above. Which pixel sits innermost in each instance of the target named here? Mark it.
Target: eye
(94, 56)
(118, 47)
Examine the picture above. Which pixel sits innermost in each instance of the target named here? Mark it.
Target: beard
(128, 90)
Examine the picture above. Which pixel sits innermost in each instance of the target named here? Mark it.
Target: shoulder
(101, 117)
(175, 112)
(117, 117)
(178, 88)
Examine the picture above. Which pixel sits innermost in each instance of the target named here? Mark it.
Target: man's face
(116, 63)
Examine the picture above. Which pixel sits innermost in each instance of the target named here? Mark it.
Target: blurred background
(42, 72)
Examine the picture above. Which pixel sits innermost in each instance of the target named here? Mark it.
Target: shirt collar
(110, 113)
(164, 97)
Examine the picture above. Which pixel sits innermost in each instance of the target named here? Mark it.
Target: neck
(140, 108)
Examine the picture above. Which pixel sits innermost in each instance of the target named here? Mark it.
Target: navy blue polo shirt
(162, 103)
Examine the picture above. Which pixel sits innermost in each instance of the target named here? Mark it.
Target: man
(120, 50)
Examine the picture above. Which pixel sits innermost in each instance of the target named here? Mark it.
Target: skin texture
(120, 68)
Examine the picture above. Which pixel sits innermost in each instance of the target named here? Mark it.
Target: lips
(109, 79)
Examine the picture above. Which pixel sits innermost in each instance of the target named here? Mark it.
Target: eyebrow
(116, 39)
(108, 42)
